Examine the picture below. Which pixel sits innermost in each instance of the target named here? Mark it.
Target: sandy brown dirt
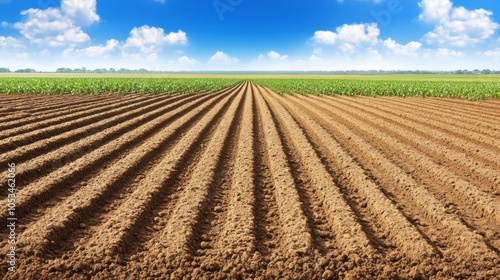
(246, 184)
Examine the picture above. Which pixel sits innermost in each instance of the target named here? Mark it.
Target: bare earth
(244, 183)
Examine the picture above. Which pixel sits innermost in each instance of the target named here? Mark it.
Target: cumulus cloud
(493, 53)
(314, 58)
(349, 36)
(143, 43)
(325, 37)
(444, 52)
(456, 26)
(149, 41)
(223, 59)
(80, 12)
(95, 51)
(147, 37)
(10, 42)
(276, 56)
(358, 33)
(409, 49)
(435, 10)
(56, 27)
(185, 61)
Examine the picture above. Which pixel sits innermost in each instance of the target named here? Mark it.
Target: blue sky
(250, 34)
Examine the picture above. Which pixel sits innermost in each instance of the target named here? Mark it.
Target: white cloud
(358, 33)
(375, 55)
(74, 35)
(80, 12)
(271, 57)
(318, 50)
(349, 36)
(4, 24)
(443, 52)
(325, 37)
(314, 58)
(276, 56)
(10, 42)
(22, 55)
(493, 53)
(223, 58)
(147, 42)
(95, 51)
(56, 27)
(435, 10)
(409, 49)
(143, 43)
(456, 26)
(146, 37)
(184, 60)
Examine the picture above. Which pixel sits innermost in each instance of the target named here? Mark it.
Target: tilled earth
(244, 183)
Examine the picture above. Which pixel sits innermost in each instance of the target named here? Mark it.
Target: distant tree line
(106, 71)
(27, 70)
(350, 72)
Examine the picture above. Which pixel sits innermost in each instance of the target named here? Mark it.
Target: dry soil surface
(245, 183)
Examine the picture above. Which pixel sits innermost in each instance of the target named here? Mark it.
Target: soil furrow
(66, 154)
(354, 178)
(321, 231)
(246, 184)
(179, 162)
(458, 189)
(57, 151)
(44, 188)
(237, 234)
(40, 122)
(446, 120)
(184, 222)
(33, 132)
(66, 105)
(29, 118)
(293, 220)
(342, 222)
(98, 188)
(465, 110)
(457, 139)
(411, 197)
(123, 223)
(206, 228)
(473, 104)
(485, 178)
(269, 234)
(477, 131)
(457, 111)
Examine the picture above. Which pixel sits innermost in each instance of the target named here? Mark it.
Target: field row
(246, 183)
(480, 89)
(483, 87)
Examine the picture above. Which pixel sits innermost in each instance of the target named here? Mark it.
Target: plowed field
(244, 183)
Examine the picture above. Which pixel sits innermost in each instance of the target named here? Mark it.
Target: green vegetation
(98, 85)
(371, 87)
(458, 86)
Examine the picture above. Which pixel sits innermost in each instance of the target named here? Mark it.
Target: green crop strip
(82, 86)
(369, 86)
(350, 87)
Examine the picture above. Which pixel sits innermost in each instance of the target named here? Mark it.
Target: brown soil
(246, 184)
